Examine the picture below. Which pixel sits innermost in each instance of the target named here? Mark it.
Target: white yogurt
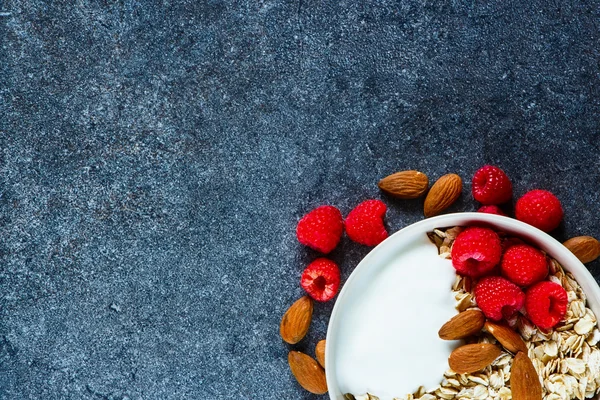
(388, 344)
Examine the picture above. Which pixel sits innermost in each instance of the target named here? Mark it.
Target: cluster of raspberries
(512, 277)
(512, 273)
(322, 228)
(492, 187)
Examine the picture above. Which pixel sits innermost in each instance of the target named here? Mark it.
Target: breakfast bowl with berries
(466, 306)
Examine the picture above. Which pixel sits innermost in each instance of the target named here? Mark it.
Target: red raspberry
(321, 279)
(491, 209)
(476, 251)
(498, 298)
(524, 265)
(546, 304)
(539, 208)
(364, 224)
(490, 185)
(321, 229)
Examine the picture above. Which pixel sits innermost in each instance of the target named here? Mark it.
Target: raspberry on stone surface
(364, 224)
(491, 209)
(539, 208)
(321, 229)
(321, 279)
(490, 185)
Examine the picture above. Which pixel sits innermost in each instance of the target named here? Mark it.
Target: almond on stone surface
(444, 192)
(309, 374)
(473, 357)
(507, 337)
(524, 380)
(586, 248)
(320, 352)
(465, 324)
(405, 184)
(296, 320)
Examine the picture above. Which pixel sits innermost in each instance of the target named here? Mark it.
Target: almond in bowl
(390, 315)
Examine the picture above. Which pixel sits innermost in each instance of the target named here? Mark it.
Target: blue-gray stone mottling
(156, 156)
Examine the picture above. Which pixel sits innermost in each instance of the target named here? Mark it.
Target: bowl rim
(513, 226)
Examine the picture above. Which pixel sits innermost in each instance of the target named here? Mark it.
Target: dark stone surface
(156, 156)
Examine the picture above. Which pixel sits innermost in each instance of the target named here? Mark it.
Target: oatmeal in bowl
(392, 336)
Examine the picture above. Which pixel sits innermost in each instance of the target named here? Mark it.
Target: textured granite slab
(156, 156)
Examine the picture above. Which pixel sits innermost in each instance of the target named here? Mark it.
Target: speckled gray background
(156, 156)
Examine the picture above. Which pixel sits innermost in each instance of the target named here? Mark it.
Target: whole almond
(586, 248)
(524, 380)
(320, 352)
(442, 194)
(465, 324)
(508, 338)
(296, 320)
(405, 184)
(473, 357)
(307, 372)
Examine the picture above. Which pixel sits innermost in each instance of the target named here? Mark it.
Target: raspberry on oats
(498, 298)
(476, 251)
(546, 304)
(524, 265)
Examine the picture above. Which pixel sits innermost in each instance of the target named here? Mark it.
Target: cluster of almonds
(413, 184)
(309, 373)
(474, 357)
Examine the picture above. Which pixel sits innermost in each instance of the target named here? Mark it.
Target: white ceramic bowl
(384, 253)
